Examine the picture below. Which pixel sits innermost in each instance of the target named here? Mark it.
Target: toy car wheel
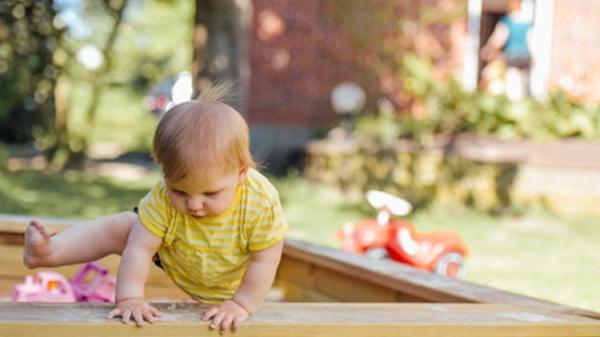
(452, 265)
(377, 253)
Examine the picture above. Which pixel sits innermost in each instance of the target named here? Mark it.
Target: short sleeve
(268, 228)
(153, 211)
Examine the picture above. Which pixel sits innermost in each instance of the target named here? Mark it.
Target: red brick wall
(298, 53)
(575, 64)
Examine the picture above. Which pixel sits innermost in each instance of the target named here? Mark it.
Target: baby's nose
(195, 203)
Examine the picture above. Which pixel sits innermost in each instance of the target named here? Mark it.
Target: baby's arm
(258, 278)
(250, 295)
(133, 271)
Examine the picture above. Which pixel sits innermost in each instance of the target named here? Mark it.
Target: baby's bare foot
(37, 244)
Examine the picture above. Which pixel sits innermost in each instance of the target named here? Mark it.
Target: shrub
(447, 108)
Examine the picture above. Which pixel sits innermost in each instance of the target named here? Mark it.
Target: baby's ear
(242, 174)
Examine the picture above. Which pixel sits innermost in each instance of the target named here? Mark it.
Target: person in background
(511, 41)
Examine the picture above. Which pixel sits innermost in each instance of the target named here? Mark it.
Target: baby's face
(207, 194)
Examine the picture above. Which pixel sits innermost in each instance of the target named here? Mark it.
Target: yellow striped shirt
(207, 257)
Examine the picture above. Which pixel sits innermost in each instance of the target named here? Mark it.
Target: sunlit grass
(71, 194)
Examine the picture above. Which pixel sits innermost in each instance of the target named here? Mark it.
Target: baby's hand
(136, 308)
(225, 315)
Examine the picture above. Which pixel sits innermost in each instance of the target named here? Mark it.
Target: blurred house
(298, 52)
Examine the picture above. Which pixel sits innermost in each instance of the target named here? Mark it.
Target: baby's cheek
(177, 203)
(216, 208)
(177, 207)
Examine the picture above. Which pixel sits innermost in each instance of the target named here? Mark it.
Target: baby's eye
(211, 194)
(178, 192)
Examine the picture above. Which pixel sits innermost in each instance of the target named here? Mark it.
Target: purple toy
(49, 286)
(101, 288)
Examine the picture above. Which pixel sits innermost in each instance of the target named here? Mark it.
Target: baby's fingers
(148, 316)
(216, 321)
(138, 317)
(208, 314)
(114, 313)
(237, 321)
(126, 316)
(226, 323)
(155, 312)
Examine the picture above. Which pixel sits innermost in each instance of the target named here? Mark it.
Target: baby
(214, 223)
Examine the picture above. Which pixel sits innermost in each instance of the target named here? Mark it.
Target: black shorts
(521, 62)
(155, 258)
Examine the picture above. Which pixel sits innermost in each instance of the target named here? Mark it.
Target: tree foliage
(448, 109)
(29, 32)
(48, 96)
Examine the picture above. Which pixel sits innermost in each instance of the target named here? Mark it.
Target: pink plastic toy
(45, 286)
(101, 288)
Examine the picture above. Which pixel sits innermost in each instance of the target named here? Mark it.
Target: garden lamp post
(347, 99)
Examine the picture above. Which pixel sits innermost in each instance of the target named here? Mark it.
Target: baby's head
(202, 147)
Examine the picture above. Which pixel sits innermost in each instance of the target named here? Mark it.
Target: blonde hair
(199, 134)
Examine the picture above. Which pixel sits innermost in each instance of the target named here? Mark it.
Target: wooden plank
(402, 279)
(166, 293)
(335, 285)
(6, 286)
(306, 319)
(343, 277)
(12, 266)
(8, 238)
(152, 292)
(288, 292)
(13, 271)
(16, 223)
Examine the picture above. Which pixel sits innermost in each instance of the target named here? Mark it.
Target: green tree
(76, 149)
(29, 33)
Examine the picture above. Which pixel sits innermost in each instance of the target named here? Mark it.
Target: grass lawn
(537, 254)
(70, 194)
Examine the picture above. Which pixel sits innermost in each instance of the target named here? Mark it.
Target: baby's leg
(85, 242)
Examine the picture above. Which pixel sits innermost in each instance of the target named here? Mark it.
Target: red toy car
(439, 251)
